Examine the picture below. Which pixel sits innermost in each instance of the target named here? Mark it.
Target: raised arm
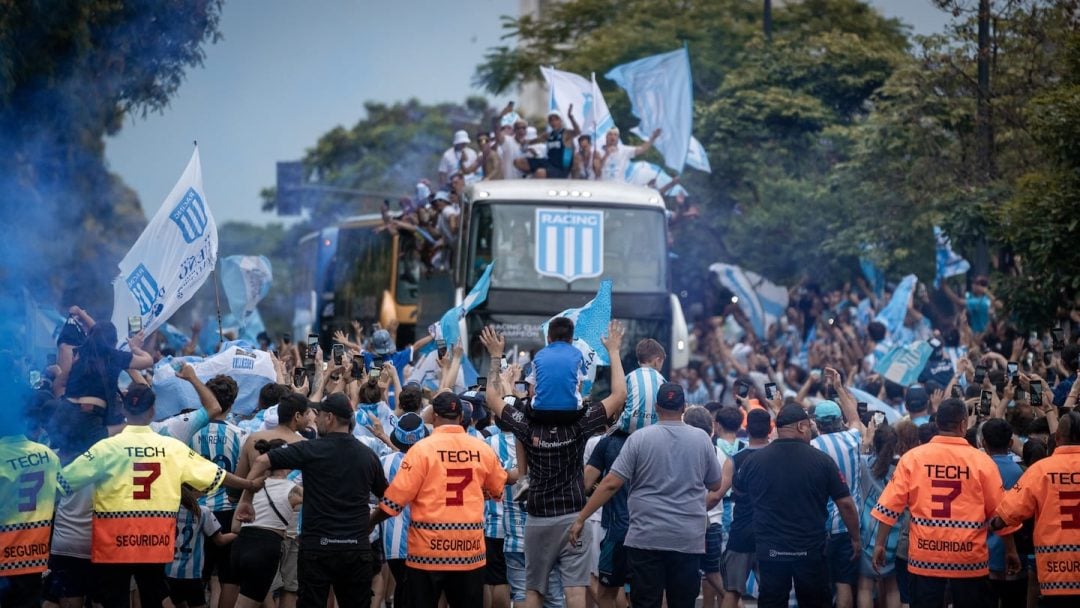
(848, 406)
(643, 148)
(495, 345)
(206, 398)
(613, 403)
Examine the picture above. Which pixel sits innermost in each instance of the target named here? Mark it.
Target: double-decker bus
(553, 241)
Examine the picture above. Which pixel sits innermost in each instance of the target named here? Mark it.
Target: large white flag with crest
(172, 258)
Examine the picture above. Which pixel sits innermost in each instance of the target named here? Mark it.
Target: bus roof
(367, 220)
(565, 191)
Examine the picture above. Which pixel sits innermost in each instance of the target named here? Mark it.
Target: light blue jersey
(220, 443)
(395, 530)
(494, 527)
(513, 516)
(641, 387)
(843, 448)
(182, 427)
(191, 538)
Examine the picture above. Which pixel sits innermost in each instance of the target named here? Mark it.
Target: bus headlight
(680, 345)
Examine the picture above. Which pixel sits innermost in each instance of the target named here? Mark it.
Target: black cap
(478, 400)
(791, 414)
(916, 399)
(408, 430)
(336, 404)
(447, 405)
(670, 396)
(139, 398)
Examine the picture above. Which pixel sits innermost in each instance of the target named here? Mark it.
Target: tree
(70, 72)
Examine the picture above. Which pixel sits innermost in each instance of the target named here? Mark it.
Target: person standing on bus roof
(560, 143)
(614, 161)
(457, 158)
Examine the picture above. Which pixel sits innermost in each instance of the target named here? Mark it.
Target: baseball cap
(791, 414)
(441, 195)
(381, 343)
(461, 137)
(408, 430)
(336, 404)
(670, 396)
(827, 410)
(447, 405)
(555, 113)
(916, 399)
(139, 398)
(477, 400)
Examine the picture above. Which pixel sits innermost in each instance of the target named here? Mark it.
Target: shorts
(256, 554)
(495, 570)
(714, 552)
(21, 590)
(548, 544)
(286, 579)
(69, 577)
(515, 573)
(866, 566)
(218, 559)
(737, 568)
(843, 568)
(190, 591)
(594, 547)
(612, 565)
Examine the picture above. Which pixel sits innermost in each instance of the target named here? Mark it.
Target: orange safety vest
(444, 479)
(137, 476)
(951, 490)
(29, 475)
(1050, 491)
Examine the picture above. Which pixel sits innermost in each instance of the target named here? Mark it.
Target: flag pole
(217, 290)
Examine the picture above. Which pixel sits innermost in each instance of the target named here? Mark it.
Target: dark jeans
(348, 572)
(1009, 594)
(929, 591)
(810, 577)
(1059, 601)
(401, 582)
(463, 588)
(652, 573)
(114, 582)
(21, 591)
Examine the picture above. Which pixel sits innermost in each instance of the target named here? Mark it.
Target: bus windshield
(550, 247)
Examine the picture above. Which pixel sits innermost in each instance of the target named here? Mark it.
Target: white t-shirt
(616, 164)
(450, 162)
(716, 514)
(448, 212)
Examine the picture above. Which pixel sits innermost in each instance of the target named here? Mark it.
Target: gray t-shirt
(667, 467)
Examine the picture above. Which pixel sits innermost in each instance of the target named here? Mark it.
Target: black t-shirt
(741, 535)
(789, 483)
(556, 454)
(616, 516)
(90, 378)
(339, 475)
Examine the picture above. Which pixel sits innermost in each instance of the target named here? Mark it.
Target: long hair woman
(876, 470)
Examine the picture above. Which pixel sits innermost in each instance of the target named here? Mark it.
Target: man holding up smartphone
(841, 435)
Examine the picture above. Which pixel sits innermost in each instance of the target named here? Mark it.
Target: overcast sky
(286, 72)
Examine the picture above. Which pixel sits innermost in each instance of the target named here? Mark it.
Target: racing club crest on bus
(569, 243)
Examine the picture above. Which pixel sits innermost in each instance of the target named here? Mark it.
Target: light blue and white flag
(762, 301)
(661, 95)
(948, 262)
(566, 89)
(172, 258)
(246, 280)
(696, 157)
(904, 362)
(251, 369)
(590, 326)
(892, 316)
(874, 276)
(174, 338)
(643, 173)
(450, 324)
(601, 116)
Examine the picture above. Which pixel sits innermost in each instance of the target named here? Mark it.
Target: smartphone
(1036, 393)
(879, 418)
(521, 387)
(742, 389)
(339, 354)
(357, 371)
(481, 381)
(863, 411)
(312, 345)
(1058, 338)
(984, 403)
(298, 377)
(286, 338)
(1048, 357)
(770, 391)
(441, 346)
(1013, 368)
(957, 393)
(980, 374)
(134, 325)
(815, 374)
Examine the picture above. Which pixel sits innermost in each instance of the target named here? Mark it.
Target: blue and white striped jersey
(250, 425)
(219, 442)
(395, 530)
(182, 427)
(191, 538)
(373, 411)
(513, 515)
(493, 509)
(641, 387)
(843, 448)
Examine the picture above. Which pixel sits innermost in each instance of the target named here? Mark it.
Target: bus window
(361, 272)
(408, 269)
